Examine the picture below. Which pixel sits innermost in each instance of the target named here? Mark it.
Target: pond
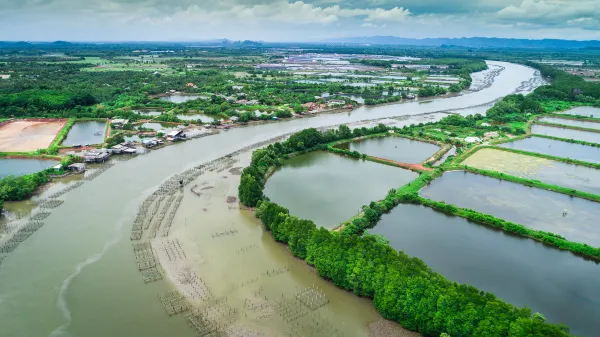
(584, 111)
(158, 127)
(19, 167)
(83, 133)
(148, 113)
(556, 148)
(571, 122)
(532, 207)
(182, 98)
(591, 137)
(393, 148)
(195, 117)
(334, 185)
(560, 285)
(580, 178)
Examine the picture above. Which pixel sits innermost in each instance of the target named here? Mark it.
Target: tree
(250, 191)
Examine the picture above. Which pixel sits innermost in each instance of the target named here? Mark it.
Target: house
(176, 135)
(4, 77)
(234, 119)
(150, 142)
(117, 149)
(119, 123)
(77, 167)
(310, 106)
(96, 156)
(190, 85)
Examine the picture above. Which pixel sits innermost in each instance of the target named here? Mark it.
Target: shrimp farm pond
(325, 181)
(83, 133)
(532, 207)
(393, 148)
(520, 271)
(580, 178)
(570, 122)
(556, 148)
(586, 136)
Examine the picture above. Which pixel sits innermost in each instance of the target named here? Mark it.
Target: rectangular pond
(159, 127)
(196, 117)
(556, 148)
(19, 167)
(532, 207)
(586, 136)
(393, 148)
(560, 285)
(580, 178)
(571, 122)
(84, 133)
(182, 98)
(330, 189)
(148, 113)
(587, 111)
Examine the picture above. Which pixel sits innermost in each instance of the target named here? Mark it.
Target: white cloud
(294, 19)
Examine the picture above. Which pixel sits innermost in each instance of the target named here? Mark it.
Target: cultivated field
(29, 135)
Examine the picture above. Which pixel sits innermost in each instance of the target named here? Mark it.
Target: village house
(119, 123)
(150, 142)
(4, 77)
(96, 156)
(176, 135)
(77, 167)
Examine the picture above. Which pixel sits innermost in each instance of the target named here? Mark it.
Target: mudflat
(25, 136)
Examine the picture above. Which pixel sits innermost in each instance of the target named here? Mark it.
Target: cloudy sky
(290, 20)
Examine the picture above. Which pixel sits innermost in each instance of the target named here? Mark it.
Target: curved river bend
(76, 276)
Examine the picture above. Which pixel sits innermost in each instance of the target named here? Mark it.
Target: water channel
(532, 207)
(321, 180)
(76, 276)
(586, 136)
(519, 271)
(393, 148)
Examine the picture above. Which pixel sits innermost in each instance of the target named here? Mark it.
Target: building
(96, 156)
(119, 123)
(77, 167)
(176, 135)
(4, 77)
(150, 142)
(190, 85)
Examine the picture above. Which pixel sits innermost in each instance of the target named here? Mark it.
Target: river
(76, 276)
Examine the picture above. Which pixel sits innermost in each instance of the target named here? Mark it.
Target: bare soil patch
(236, 171)
(29, 135)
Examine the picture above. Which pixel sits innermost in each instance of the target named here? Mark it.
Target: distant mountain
(472, 42)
